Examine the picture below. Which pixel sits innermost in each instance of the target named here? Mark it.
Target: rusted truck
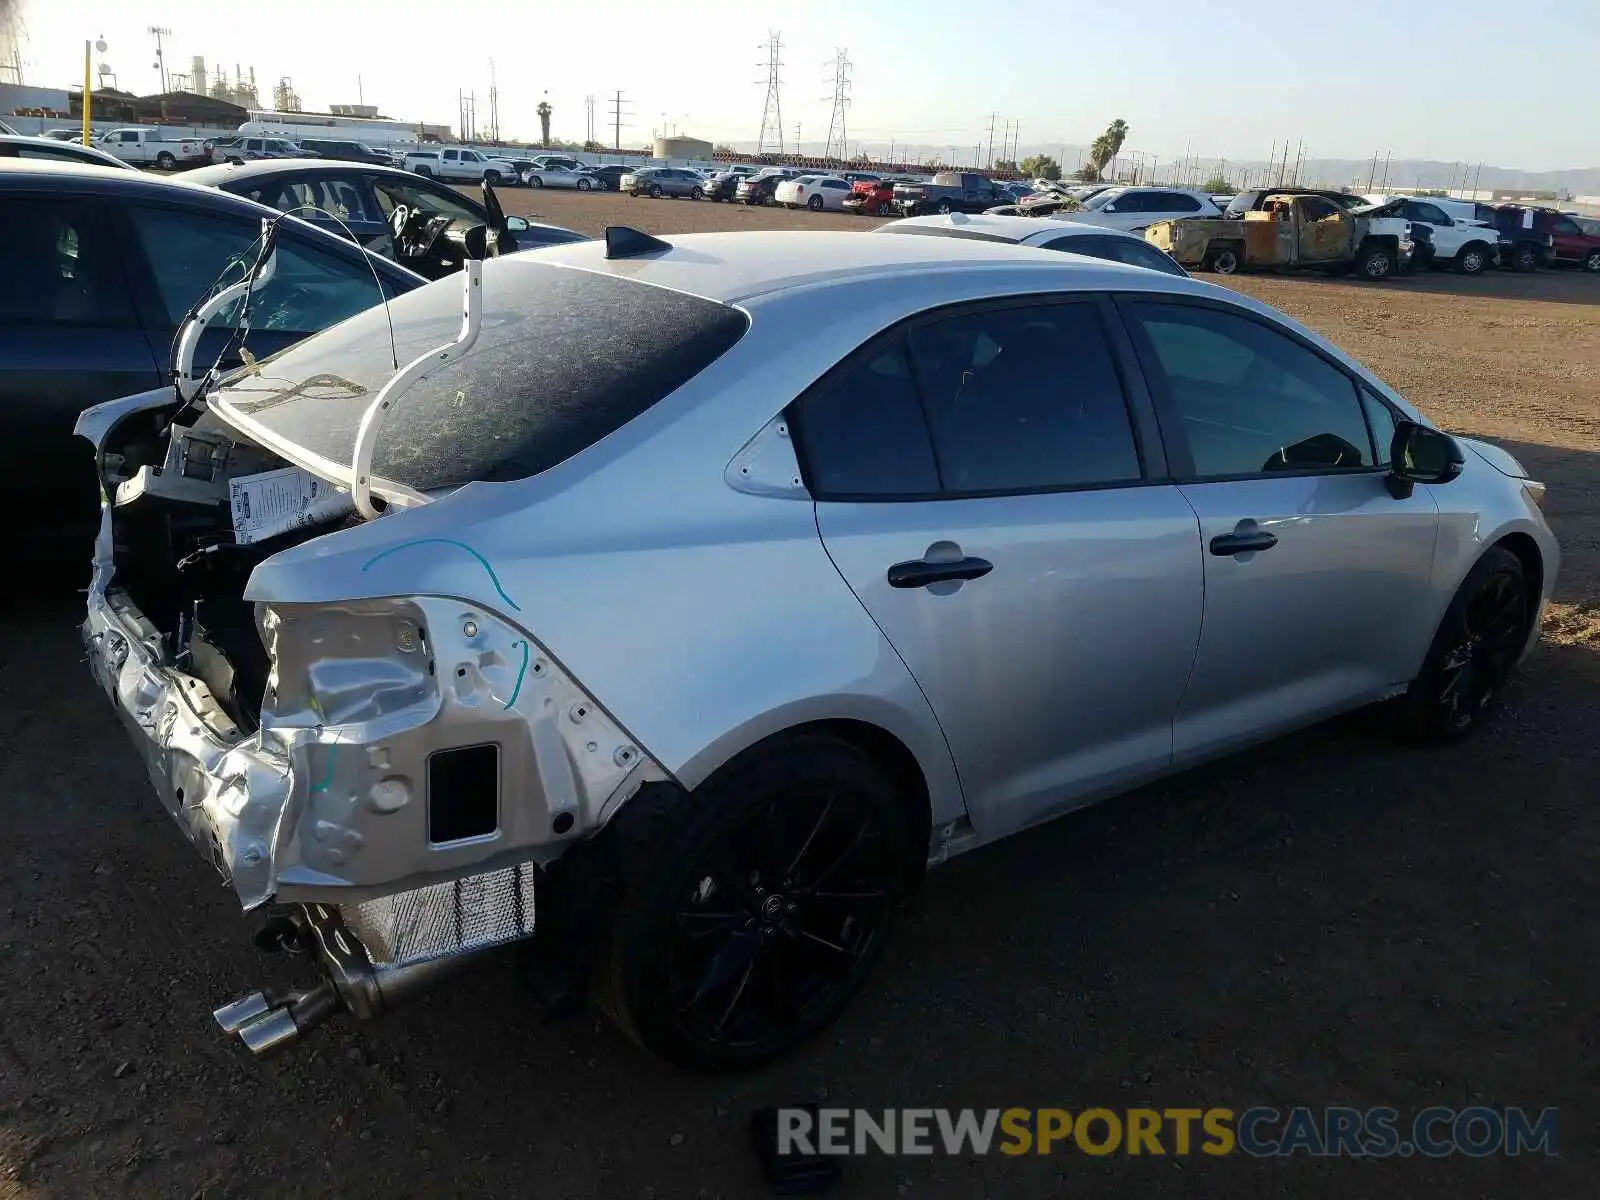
(1292, 232)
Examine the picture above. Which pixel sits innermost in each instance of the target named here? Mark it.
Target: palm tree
(544, 123)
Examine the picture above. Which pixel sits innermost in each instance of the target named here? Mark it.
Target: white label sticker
(275, 502)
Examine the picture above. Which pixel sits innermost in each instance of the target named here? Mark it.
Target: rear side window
(1114, 249)
(565, 358)
(1014, 399)
(862, 432)
(61, 266)
(187, 252)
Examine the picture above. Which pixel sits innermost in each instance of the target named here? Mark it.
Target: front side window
(1118, 249)
(1315, 208)
(188, 252)
(391, 192)
(1251, 400)
(127, 135)
(61, 267)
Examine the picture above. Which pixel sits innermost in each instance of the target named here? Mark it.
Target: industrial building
(671, 148)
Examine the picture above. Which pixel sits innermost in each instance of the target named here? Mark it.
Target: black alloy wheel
(756, 924)
(1472, 655)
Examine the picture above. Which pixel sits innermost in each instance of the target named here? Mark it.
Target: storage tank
(197, 76)
(682, 147)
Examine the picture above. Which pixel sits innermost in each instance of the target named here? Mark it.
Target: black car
(610, 175)
(343, 151)
(100, 268)
(364, 198)
(723, 186)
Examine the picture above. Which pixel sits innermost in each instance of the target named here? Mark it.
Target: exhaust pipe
(268, 1020)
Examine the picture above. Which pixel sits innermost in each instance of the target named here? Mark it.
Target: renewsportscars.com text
(1259, 1132)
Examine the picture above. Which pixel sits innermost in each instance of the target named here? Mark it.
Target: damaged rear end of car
(354, 720)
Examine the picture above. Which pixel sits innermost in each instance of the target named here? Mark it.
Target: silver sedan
(555, 176)
(680, 662)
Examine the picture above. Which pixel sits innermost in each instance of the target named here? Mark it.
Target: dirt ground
(1333, 920)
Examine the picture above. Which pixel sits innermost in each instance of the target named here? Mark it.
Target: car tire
(944, 208)
(1471, 259)
(885, 209)
(720, 885)
(1525, 257)
(425, 172)
(535, 182)
(655, 191)
(1224, 260)
(165, 161)
(696, 194)
(1375, 264)
(1592, 263)
(814, 204)
(583, 185)
(1477, 644)
(492, 178)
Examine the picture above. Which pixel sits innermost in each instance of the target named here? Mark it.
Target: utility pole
(797, 137)
(1384, 186)
(588, 110)
(841, 104)
(992, 118)
(616, 120)
(1373, 173)
(494, 106)
(772, 110)
(158, 32)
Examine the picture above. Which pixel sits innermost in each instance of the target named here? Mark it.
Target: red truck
(871, 198)
(1570, 243)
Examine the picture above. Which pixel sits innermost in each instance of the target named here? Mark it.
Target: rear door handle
(920, 573)
(1249, 542)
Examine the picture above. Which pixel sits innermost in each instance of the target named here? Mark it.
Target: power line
(772, 110)
(617, 103)
(841, 103)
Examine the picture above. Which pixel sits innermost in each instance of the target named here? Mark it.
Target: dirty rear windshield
(564, 358)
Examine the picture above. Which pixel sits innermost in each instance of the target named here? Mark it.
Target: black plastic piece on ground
(791, 1174)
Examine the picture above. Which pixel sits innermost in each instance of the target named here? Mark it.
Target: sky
(1215, 78)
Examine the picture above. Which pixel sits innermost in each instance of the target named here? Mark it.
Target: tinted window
(1124, 250)
(187, 252)
(1250, 399)
(1430, 213)
(1564, 226)
(1023, 398)
(862, 431)
(1171, 202)
(61, 268)
(607, 349)
(315, 198)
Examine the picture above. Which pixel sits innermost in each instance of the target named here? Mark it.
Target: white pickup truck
(1463, 243)
(155, 148)
(462, 164)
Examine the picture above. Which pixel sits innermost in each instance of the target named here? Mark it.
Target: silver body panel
(678, 581)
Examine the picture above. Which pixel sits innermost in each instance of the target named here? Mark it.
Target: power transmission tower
(841, 103)
(992, 118)
(588, 108)
(158, 32)
(772, 111)
(494, 106)
(616, 120)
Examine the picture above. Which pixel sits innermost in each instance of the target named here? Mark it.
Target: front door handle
(920, 573)
(1243, 542)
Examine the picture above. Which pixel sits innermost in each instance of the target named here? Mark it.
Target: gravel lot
(1333, 920)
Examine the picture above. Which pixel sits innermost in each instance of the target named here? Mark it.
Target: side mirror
(517, 225)
(1418, 454)
(1110, 208)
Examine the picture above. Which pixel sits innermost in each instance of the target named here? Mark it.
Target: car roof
(89, 152)
(731, 267)
(219, 173)
(1014, 229)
